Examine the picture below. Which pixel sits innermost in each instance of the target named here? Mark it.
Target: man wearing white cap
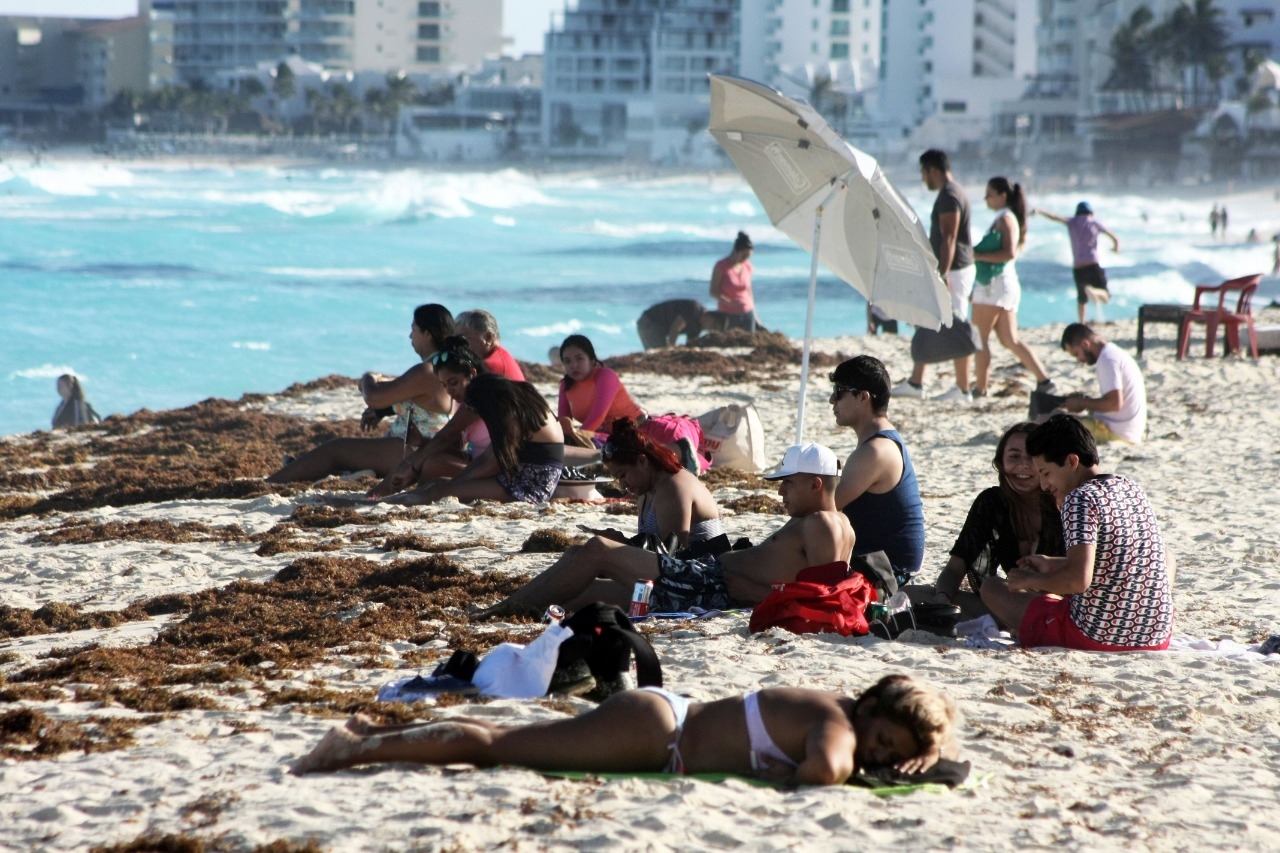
(816, 534)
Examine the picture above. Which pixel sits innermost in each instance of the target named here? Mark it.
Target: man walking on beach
(952, 244)
(1090, 277)
(1111, 592)
(815, 535)
(1120, 413)
(878, 490)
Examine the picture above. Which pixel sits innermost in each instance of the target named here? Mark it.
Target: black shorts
(1091, 276)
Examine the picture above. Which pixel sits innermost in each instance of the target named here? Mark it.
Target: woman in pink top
(591, 395)
(731, 285)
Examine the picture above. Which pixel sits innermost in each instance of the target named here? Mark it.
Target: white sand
(1165, 751)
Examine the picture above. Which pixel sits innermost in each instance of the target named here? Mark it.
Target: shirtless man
(816, 534)
(789, 735)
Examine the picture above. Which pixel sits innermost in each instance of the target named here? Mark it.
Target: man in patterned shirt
(1111, 592)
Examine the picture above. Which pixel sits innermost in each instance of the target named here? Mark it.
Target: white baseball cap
(807, 458)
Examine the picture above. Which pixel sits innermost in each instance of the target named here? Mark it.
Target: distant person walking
(1222, 221)
(731, 285)
(1215, 219)
(953, 247)
(74, 409)
(995, 304)
(1090, 277)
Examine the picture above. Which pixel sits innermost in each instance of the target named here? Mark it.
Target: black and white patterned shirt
(1129, 602)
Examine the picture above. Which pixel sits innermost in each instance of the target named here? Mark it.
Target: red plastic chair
(1221, 315)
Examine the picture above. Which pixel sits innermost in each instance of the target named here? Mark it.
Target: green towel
(990, 242)
(880, 790)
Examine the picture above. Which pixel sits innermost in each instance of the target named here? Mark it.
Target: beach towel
(885, 781)
(948, 343)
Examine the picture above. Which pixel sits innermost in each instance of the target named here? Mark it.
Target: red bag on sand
(822, 599)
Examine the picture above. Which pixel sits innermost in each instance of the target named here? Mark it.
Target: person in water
(789, 735)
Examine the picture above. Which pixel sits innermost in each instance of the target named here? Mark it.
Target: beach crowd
(1058, 552)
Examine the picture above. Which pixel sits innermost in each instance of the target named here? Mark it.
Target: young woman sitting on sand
(455, 366)
(419, 400)
(526, 454)
(787, 735)
(591, 395)
(676, 512)
(1005, 523)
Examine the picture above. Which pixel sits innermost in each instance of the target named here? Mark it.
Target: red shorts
(1047, 622)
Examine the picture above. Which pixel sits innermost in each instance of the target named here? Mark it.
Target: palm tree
(1193, 38)
(1132, 45)
(285, 83)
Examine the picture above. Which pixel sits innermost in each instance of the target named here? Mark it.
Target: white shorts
(960, 284)
(1004, 291)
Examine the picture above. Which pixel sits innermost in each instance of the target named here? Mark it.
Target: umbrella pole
(813, 297)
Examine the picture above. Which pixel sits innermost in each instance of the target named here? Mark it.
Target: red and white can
(640, 598)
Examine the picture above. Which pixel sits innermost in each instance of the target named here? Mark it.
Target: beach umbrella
(811, 181)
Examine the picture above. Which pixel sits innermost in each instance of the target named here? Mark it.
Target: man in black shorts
(1091, 278)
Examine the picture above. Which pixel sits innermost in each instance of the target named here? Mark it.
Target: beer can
(640, 598)
(877, 612)
(555, 613)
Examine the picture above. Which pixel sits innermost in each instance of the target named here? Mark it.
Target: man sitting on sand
(1111, 592)
(1120, 413)
(878, 490)
(815, 535)
(788, 735)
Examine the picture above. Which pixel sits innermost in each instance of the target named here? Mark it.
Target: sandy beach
(176, 632)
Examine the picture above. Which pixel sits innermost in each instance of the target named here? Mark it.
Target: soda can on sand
(640, 598)
(877, 612)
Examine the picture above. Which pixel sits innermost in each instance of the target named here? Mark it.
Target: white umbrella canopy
(809, 179)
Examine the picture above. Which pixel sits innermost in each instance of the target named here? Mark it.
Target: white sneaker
(955, 395)
(906, 389)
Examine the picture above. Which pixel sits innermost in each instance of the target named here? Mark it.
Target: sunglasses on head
(608, 451)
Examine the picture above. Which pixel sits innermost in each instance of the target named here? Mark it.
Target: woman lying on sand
(525, 458)
(676, 511)
(421, 404)
(788, 735)
(1005, 523)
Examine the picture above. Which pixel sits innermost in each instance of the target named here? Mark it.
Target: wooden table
(1161, 313)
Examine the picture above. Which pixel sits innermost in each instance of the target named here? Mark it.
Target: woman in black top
(1005, 523)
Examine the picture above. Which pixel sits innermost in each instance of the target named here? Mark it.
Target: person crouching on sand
(788, 735)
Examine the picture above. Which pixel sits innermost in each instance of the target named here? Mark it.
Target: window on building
(839, 5)
(429, 54)
(839, 28)
(954, 107)
(839, 50)
(429, 31)
(428, 10)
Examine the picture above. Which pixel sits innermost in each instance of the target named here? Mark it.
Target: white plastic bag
(513, 671)
(734, 437)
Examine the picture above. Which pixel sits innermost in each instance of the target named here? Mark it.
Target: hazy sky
(523, 20)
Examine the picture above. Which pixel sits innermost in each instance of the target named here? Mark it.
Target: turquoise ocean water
(165, 286)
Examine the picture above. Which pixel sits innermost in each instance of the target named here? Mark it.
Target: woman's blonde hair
(930, 716)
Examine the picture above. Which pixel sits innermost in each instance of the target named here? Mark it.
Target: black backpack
(604, 639)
